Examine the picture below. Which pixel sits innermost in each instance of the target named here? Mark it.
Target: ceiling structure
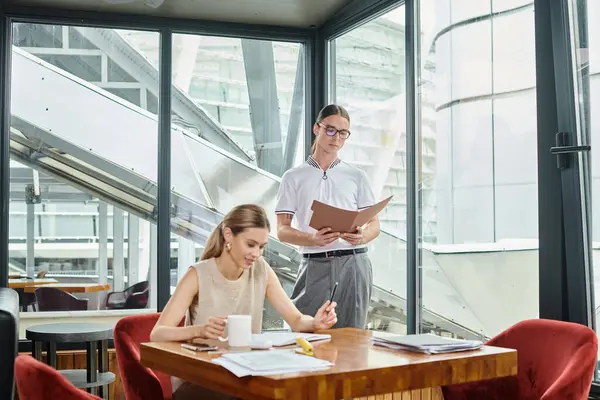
(285, 13)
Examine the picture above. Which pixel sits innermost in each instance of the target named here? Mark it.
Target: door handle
(564, 149)
(569, 149)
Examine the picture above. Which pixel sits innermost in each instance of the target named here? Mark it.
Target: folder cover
(340, 220)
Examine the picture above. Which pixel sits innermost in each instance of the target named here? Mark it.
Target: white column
(184, 60)
(102, 266)
(118, 253)
(145, 249)
(186, 256)
(133, 249)
(153, 265)
(30, 239)
(393, 127)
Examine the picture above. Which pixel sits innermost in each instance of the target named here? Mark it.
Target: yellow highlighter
(306, 348)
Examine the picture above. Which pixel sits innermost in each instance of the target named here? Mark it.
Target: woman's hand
(214, 327)
(324, 237)
(355, 238)
(326, 317)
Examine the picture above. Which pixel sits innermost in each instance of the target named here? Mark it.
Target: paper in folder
(425, 343)
(340, 220)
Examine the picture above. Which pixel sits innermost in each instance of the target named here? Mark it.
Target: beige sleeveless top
(220, 297)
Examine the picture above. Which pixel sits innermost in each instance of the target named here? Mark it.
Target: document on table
(425, 343)
(340, 220)
(269, 362)
(287, 338)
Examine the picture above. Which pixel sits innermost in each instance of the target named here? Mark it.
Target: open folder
(340, 220)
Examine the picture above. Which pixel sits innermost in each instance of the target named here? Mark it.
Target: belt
(335, 253)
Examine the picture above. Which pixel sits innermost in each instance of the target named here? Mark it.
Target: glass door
(572, 150)
(585, 49)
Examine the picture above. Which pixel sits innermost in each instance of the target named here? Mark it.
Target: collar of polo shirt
(311, 161)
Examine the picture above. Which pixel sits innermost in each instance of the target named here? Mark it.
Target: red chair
(556, 361)
(139, 382)
(38, 381)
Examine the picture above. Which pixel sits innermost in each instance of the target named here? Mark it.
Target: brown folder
(340, 220)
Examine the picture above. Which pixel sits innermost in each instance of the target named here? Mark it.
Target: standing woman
(329, 257)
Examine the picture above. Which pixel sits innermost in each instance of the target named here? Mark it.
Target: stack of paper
(269, 362)
(425, 343)
(287, 338)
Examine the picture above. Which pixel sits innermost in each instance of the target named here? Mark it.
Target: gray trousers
(316, 278)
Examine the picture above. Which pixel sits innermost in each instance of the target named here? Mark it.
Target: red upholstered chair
(139, 382)
(38, 381)
(556, 361)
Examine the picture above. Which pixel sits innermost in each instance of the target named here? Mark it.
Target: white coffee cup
(239, 331)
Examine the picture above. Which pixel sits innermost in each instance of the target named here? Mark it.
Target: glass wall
(238, 123)
(588, 55)
(83, 168)
(369, 81)
(478, 164)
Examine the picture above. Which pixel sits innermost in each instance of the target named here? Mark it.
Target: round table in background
(95, 336)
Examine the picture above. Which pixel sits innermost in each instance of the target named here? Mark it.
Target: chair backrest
(36, 381)
(138, 287)
(9, 340)
(53, 299)
(139, 382)
(41, 274)
(138, 299)
(556, 360)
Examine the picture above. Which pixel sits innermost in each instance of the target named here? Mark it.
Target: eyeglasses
(331, 131)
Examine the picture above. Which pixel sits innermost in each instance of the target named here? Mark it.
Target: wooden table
(23, 283)
(72, 287)
(360, 369)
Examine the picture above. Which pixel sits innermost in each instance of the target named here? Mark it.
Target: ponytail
(313, 148)
(214, 244)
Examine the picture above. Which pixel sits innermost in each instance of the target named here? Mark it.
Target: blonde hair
(328, 111)
(239, 219)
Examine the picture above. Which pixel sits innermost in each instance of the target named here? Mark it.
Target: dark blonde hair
(239, 219)
(328, 111)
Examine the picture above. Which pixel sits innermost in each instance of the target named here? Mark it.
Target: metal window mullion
(316, 91)
(413, 237)
(5, 67)
(163, 280)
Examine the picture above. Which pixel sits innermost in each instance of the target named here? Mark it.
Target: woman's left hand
(326, 317)
(355, 238)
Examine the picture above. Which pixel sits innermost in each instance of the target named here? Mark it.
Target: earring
(228, 246)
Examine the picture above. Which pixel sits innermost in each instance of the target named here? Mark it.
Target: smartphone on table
(198, 347)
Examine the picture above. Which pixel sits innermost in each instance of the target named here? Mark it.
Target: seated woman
(231, 278)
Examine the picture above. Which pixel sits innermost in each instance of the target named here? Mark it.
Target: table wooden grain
(24, 283)
(72, 287)
(360, 369)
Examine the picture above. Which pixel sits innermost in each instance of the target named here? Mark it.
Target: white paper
(241, 372)
(287, 338)
(270, 362)
(425, 343)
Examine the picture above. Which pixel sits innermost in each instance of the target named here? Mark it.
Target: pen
(333, 292)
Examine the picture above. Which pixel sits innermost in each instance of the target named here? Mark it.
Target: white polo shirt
(342, 185)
